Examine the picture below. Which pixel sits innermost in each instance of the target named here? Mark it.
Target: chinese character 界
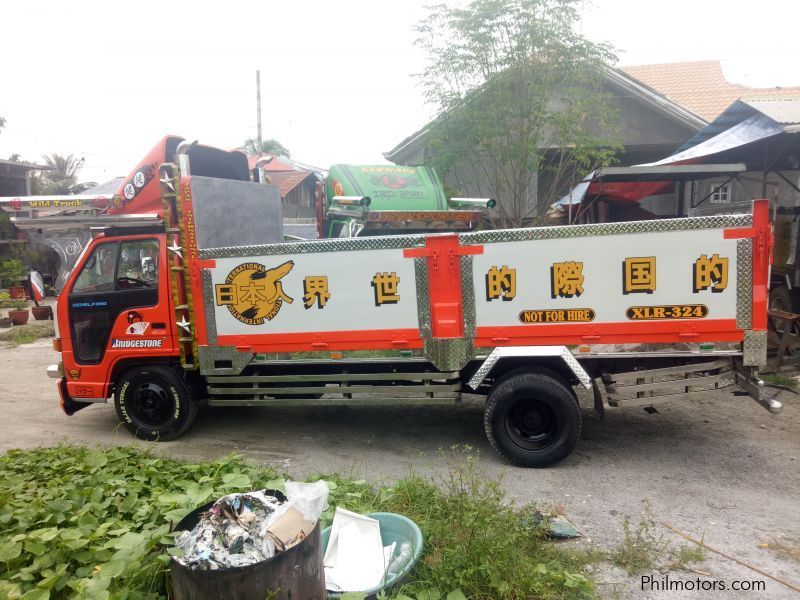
(639, 275)
(566, 279)
(501, 282)
(710, 273)
(315, 290)
(385, 285)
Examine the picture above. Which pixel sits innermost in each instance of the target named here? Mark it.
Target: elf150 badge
(253, 293)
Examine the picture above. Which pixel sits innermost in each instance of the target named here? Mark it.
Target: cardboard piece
(289, 529)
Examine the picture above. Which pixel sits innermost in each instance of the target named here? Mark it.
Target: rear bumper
(68, 405)
(56, 371)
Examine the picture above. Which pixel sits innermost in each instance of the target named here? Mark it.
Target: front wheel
(154, 403)
(532, 419)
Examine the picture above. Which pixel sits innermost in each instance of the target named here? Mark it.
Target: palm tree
(62, 177)
(270, 146)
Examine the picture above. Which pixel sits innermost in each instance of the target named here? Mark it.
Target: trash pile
(243, 529)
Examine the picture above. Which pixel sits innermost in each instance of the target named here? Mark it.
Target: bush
(12, 272)
(80, 523)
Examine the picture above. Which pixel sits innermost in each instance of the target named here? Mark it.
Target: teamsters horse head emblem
(253, 293)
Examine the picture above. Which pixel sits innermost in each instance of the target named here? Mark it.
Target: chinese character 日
(501, 282)
(639, 275)
(315, 291)
(385, 285)
(566, 279)
(710, 273)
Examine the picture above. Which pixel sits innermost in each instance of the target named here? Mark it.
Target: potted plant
(42, 312)
(12, 272)
(19, 314)
(5, 322)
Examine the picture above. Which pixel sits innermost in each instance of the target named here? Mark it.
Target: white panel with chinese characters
(315, 292)
(607, 279)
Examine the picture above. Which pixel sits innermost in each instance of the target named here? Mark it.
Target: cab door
(118, 306)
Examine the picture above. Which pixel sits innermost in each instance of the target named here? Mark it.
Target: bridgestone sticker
(115, 343)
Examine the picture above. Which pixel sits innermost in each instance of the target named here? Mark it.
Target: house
(650, 126)
(297, 183)
(15, 177)
(701, 86)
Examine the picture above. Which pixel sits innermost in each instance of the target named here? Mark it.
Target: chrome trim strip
(423, 298)
(208, 302)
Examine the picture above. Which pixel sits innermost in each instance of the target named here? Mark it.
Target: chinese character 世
(566, 279)
(315, 290)
(639, 275)
(501, 282)
(385, 285)
(710, 273)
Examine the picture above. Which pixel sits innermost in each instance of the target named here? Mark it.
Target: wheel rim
(532, 425)
(151, 405)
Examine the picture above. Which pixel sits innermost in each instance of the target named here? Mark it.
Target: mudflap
(68, 405)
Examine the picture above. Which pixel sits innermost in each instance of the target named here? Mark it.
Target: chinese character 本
(639, 275)
(710, 273)
(501, 282)
(385, 285)
(315, 290)
(566, 279)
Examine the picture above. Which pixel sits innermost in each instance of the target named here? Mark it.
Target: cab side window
(138, 265)
(98, 271)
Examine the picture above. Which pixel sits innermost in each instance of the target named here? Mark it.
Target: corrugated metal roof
(108, 187)
(785, 111)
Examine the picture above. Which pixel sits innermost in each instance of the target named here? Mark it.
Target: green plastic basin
(394, 528)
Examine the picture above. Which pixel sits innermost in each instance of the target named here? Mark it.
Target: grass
(28, 333)
(82, 523)
(777, 379)
(644, 548)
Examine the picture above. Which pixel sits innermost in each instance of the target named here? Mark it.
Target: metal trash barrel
(295, 574)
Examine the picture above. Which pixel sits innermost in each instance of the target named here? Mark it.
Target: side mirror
(37, 286)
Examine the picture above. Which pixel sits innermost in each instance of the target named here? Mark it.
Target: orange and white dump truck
(210, 305)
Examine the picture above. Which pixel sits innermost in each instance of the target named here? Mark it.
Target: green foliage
(519, 92)
(777, 379)
(80, 523)
(12, 272)
(28, 333)
(269, 146)
(644, 549)
(62, 176)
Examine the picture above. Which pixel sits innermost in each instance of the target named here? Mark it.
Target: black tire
(532, 419)
(154, 403)
(780, 298)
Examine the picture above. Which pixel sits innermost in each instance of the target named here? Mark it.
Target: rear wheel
(154, 403)
(780, 298)
(532, 419)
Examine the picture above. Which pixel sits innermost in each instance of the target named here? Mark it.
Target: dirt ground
(722, 467)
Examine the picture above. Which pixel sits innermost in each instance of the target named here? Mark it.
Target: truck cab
(114, 306)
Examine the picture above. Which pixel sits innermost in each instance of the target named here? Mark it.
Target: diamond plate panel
(312, 246)
(209, 354)
(744, 283)
(449, 354)
(602, 229)
(754, 348)
(208, 303)
(423, 298)
(576, 368)
(468, 296)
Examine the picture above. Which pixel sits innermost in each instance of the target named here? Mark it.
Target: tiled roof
(701, 86)
(288, 180)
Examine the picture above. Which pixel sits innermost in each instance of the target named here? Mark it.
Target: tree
(62, 177)
(2, 122)
(270, 146)
(520, 101)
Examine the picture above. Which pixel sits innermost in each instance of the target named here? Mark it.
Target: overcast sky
(106, 80)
